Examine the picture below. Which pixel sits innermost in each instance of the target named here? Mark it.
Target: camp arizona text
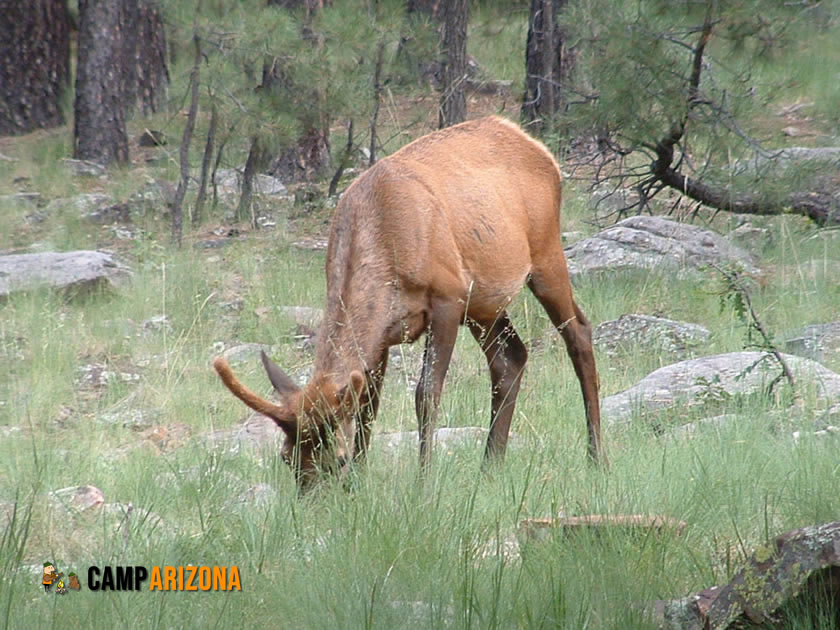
(165, 578)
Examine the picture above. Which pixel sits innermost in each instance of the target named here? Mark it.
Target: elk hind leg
(551, 285)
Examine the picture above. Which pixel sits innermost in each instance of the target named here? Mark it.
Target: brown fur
(444, 232)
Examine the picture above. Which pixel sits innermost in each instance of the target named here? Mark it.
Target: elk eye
(343, 460)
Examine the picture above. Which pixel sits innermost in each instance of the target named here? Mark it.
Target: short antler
(279, 414)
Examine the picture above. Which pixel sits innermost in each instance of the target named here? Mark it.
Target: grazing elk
(444, 232)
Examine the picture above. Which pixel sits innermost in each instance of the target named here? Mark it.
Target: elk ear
(281, 414)
(283, 385)
(352, 391)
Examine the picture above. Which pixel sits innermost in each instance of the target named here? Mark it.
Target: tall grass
(394, 550)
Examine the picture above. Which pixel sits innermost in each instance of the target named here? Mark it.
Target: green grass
(393, 550)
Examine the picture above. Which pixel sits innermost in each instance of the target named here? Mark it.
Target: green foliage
(320, 66)
(635, 68)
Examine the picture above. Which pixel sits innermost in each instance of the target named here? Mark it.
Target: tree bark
(434, 8)
(34, 64)
(209, 147)
(255, 161)
(547, 65)
(184, 151)
(453, 44)
(148, 62)
(99, 131)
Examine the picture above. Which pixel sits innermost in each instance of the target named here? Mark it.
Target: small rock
(817, 341)
(540, 529)
(255, 432)
(245, 352)
(22, 198)
(829, 431)
(167, 438)
(229, 182)
(795, 132)
(152, 138)
(130, 418)
(10, 431)
(84, 168)
(303, 315)
(752, 237)
(79, 498)
(259, 495)
(652, 333)
(311, 244)
(157, 323)
(445, 438)
(81, 205)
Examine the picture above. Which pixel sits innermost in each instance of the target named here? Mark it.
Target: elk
(442, 233)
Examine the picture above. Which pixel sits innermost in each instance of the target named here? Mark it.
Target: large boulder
(646, 242)
(712, 380)
(74, 272)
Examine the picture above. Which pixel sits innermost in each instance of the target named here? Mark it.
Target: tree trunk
(209, 147)
(453, 45)
(34, 64)
(148, 61)
(434, 8)
(99, 131)
(547, 65)
(256, 158)
(184, 151)
(308, 159)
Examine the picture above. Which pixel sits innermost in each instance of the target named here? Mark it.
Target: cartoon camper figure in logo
(74, 582)
(49, 576)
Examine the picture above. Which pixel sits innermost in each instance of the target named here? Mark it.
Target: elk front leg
(367, 411)
(440, 341)
(506, 357)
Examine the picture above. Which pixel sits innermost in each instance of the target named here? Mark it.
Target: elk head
(319, 420)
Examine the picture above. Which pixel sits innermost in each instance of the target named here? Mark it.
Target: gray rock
(21, 199)
(229, 182)
(130, 418)
(244, 352)
(83, 168)
(656, 334)
(713, 380)
(446, 438)
(78, 498)
(157, 323)
(752, 237)
(646, 242)
(81, 205)
(78, 271)
(254, 433)
(817, 341)
(303, 315)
